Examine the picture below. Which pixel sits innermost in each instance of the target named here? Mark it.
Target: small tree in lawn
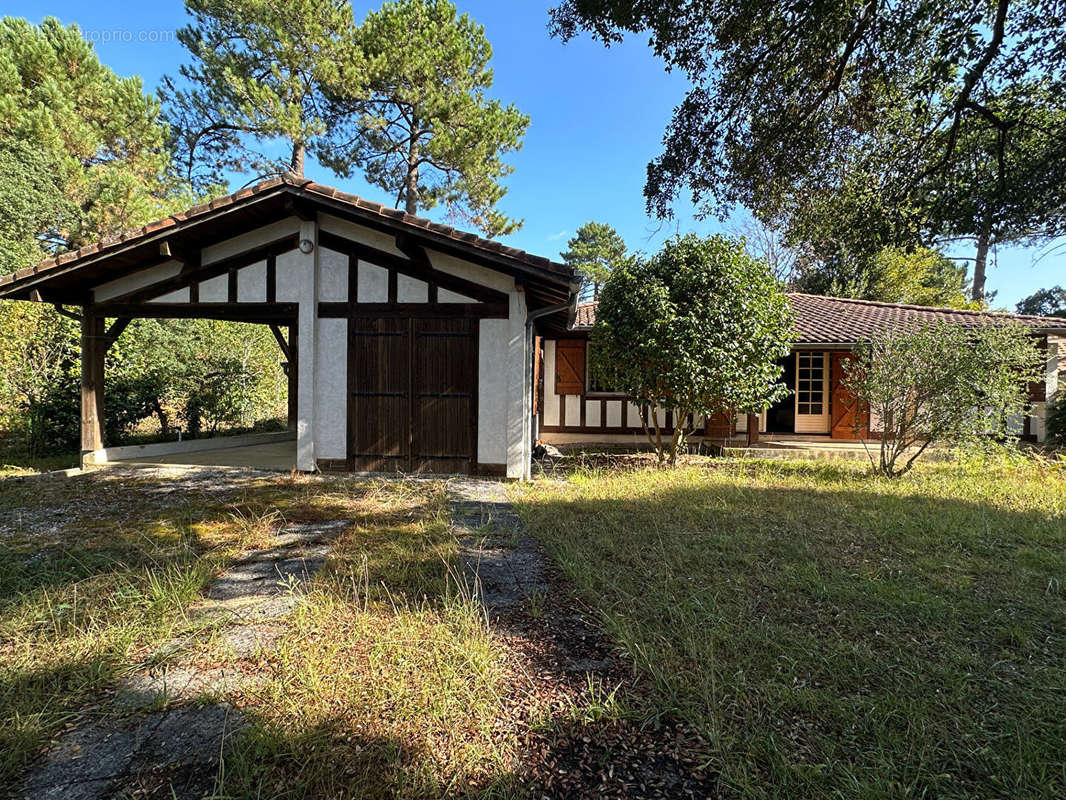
(940, 383)
(698, 329)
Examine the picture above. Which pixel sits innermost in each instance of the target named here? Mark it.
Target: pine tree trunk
(296, 164)
(977, 291)
(411, 189)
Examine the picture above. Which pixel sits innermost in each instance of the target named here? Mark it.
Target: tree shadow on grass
(851, 630)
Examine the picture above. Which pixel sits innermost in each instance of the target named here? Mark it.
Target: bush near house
(698, 328)
(936, 383)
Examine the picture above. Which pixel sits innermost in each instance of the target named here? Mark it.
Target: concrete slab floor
(280, 456)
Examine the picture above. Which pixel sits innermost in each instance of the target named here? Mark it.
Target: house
(411, 346)
(574, 409)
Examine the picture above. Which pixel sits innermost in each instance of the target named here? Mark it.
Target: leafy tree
(82, 155)
(96, 140)
(921, 276)
(1044, 303)
(256, 79)
(698, 328)
(939, 383)
(948, 110)
(594, 252)
(420, 126)
(1056, 419)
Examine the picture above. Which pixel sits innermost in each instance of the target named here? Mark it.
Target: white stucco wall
(358, 233)
(333, 280)
(246, 241)
(252, 283)
(492, 391)
(136, 281)
(331, 392)
(373, 286)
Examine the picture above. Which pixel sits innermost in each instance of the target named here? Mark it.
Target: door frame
(813, 423)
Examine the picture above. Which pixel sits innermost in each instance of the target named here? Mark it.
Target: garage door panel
(445, 376)
(379, 386)
(412, 393)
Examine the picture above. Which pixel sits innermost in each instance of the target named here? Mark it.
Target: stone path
(124, 749)
(503, 560)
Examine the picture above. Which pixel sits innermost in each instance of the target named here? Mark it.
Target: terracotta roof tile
(303, 184)
(839, 320)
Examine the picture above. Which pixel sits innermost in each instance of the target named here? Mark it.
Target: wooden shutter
(570, 366)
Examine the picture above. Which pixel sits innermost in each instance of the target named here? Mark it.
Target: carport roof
(68, 276)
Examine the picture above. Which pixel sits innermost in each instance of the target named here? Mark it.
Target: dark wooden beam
(116, 329)
(64, 312)
(753, 429)
(236, 312)
(279, 337)
(439, 310)
(292, 372)
(300, 210)
(425, 272)
(93, 350)
(193, 272)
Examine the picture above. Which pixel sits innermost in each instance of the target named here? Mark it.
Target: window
(595, 383)
(810, 383)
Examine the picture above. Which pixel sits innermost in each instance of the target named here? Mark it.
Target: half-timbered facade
(573, 409)
(413, 347)
(407, 343)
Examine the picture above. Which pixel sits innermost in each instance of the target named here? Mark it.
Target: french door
(812, 391)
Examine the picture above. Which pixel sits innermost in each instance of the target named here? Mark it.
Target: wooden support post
(753, 429)
(93, 351)
(292, 371)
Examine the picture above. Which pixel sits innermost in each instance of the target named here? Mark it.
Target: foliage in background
(698, 329)
(97, 141)
(255, 84)
(418, 124)
(950, 114)
(921, 276)
(938, 383)
(1055, 424)
(1044, 303)
(767, 242)
(594, 252)
(82, 154)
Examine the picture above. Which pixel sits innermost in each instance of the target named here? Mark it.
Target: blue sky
(598, 116)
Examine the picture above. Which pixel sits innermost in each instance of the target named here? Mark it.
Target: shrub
(941, 383)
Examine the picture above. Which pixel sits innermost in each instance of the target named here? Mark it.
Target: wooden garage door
(412, 395)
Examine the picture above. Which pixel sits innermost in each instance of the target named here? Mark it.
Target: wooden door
(379, 397)
(812, 392)
(846, 410)
(445, 393)
(412, 395)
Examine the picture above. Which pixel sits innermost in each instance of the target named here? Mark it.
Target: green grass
(388, 682)
(16, 464)
(833, 633)
(94, 572)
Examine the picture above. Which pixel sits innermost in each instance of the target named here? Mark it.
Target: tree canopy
(85, 149)
(951, 114)
(939, 383)
(420, 125)
(594, 252)
(698, 328)
(251, 99)
(1044, 303)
